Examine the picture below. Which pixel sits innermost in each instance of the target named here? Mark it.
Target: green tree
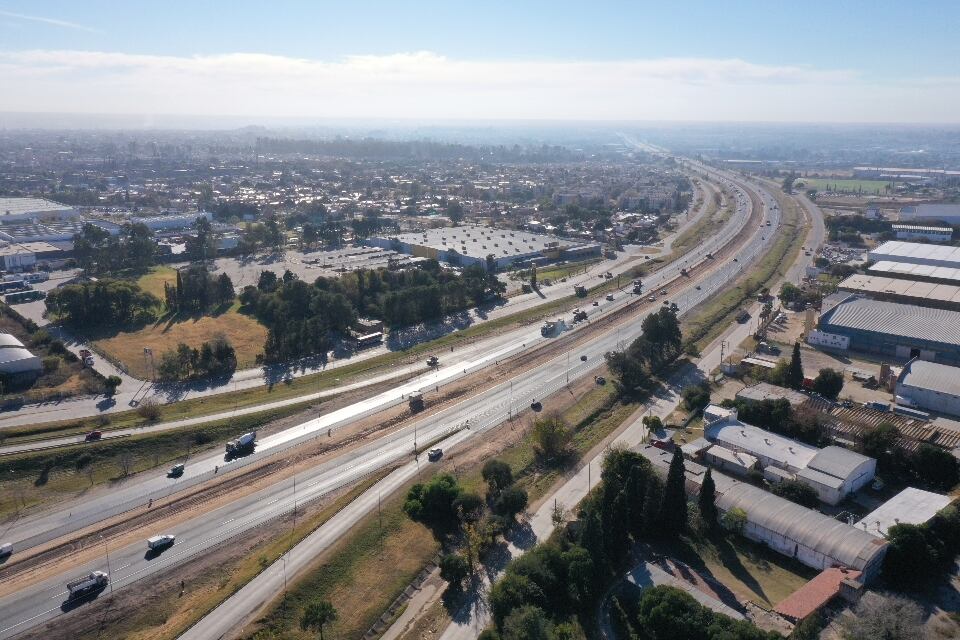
(796, 491)
(828, 383)
(696, 396)
(527, 623)
(935, 467)
(673, 510)
(498, 476)
(454, 569)
(111, 384)
(734, 520)
(317, 615)
(795, 372)
(510, 502)
(551, 437)
(707, 501)
(433, 503)
(880, 440)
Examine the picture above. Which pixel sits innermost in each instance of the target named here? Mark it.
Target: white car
(158, 543)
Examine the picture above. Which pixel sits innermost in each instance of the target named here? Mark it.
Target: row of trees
(299, 317)
(554, 588)
(197, 290)
(659, 345)
(928, 465)
(214, 358)
(105, 303)
(669, 613)
(98, 251)
(920, 553)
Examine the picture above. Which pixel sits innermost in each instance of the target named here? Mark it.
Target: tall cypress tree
(673, 511)
(706, 501)
(795, 372)
(179, 289)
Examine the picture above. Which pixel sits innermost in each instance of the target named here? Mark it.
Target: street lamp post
(106, 552)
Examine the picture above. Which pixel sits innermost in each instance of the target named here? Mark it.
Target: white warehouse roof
(762, 444)
(917, 253)
(910, 506)
(20, 207)
(931, 375)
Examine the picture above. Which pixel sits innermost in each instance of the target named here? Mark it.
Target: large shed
(814, 539)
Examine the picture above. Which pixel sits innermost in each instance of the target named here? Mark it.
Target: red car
(93, 435)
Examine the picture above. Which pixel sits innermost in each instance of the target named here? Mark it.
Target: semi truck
(94, 581)
(242, 445)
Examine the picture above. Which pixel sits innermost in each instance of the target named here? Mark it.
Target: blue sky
(842, 61)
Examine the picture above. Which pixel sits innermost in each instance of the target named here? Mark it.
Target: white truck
(161, 542)
(243, 444)
(94, 581)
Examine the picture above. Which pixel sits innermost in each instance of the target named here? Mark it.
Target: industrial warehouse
(472, 244)
(815, 540)
(924, 294)
(930, 386)
(916, 253)
(889, 329)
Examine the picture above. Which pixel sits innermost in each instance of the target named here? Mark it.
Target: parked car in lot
(434, 454)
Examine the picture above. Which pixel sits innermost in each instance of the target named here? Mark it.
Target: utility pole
(106, 552)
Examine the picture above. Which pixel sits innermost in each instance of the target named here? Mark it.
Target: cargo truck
(94, 581)
(242, 445)
(161, 542)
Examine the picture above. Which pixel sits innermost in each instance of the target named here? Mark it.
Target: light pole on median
(106, 552)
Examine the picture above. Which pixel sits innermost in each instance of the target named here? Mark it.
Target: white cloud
(426, 85)
(51, 21)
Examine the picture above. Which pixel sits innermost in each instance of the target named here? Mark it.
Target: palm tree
(316, 615)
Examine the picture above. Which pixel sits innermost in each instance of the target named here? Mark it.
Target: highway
(224, 619)
(42, 601)
(474, 616)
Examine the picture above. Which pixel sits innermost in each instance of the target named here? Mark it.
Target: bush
(696, 396)
(828, 383)
(511, 501)
(798, 492)
(111, 384)
(51, 364)
(149, 410)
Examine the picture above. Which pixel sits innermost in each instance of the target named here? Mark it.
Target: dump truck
(94, 581)
(242, 445)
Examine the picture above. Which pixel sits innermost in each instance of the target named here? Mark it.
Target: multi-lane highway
(231, 613)
(40, 601)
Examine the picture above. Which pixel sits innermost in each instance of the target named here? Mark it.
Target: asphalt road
(237, 609)
(42, 600)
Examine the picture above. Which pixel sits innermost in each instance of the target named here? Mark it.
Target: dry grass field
(245, 333)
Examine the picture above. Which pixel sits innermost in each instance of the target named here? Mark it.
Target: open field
(840, 185)
(244, 333)
(750, 570)
(154, 279)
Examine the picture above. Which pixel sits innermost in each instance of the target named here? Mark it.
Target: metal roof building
(949, 213)
(20, 209)
(895, 330)
(16, 360)
(916, 253)
(471, 244)
(910, 506)
(766, 446)
(814, 539)
(920, 272)
(925, 294)
(931, 386)
(836, 472)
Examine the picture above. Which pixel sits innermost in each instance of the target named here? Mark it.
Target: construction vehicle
(94, 581)
(161, 542)
(579, 314)
(416, 402)
(580, 290)
(433, 361)
(637, 286)
(243, 445)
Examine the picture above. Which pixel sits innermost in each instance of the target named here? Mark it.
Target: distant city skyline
(877, 62)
